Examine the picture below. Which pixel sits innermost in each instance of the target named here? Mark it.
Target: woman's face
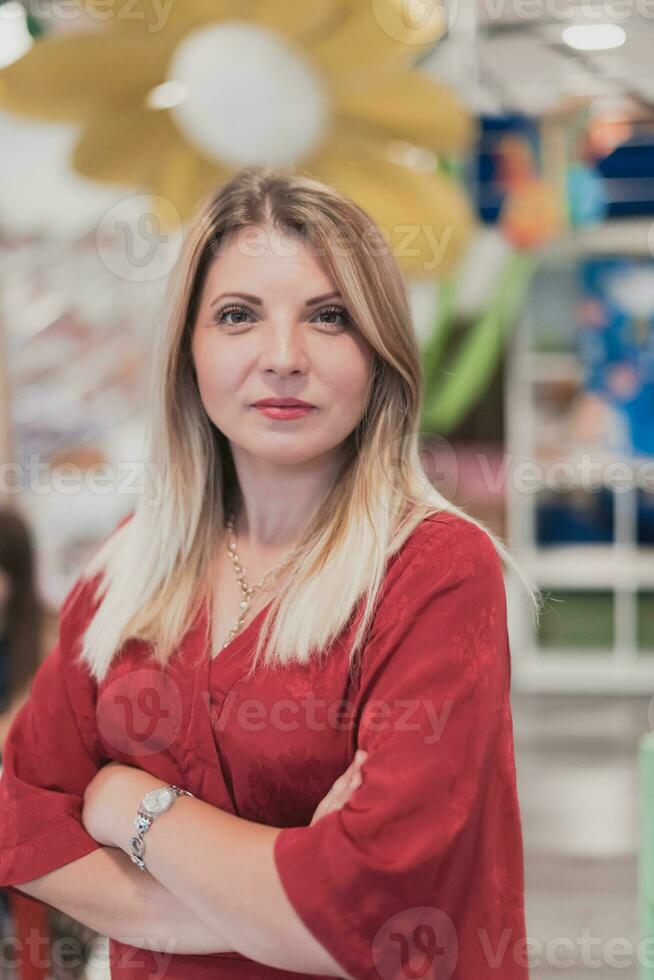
(271, 325)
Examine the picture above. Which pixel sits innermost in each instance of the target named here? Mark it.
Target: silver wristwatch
(155, 802)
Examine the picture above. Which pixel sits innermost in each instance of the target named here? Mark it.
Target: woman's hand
(343, 788)
(111, 800)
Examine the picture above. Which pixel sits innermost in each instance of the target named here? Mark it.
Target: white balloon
(251, 97)
(40, 193)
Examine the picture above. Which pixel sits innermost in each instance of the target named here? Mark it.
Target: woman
(289, 589)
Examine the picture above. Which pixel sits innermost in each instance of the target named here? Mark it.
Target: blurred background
(506, 149)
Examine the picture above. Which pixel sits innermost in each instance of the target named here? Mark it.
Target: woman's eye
(336, 316)
(232, 310)
(335, 311)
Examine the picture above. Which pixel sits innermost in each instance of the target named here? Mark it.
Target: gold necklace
(248, 592)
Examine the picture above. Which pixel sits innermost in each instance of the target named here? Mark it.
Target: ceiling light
(594, 37)
(15, 38)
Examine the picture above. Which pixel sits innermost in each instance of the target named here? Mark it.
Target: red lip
(283, 403)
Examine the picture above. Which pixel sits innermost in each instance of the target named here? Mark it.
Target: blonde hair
(154, 570)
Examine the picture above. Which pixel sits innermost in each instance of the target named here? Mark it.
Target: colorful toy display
(616, 345)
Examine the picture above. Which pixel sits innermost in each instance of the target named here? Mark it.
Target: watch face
(158, 800)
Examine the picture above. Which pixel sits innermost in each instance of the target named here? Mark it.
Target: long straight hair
(154, 571)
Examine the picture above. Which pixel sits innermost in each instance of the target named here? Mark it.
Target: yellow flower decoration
(175, 95)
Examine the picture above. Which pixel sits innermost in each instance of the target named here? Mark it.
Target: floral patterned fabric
(420, 874)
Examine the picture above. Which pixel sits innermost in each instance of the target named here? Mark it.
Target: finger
(337, 798)
(355, 781)
(342, 784)
(357, 762)
(341, 799)
(339, 787)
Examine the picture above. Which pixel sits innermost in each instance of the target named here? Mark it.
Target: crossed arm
(106, 892)
(445, 652)
(211, 875)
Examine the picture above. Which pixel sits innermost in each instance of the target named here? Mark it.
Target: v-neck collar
(208, 697)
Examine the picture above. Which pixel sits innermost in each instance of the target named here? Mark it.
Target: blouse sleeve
(423, 864)
(50, 755)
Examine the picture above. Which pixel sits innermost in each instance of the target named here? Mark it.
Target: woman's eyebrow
(320, 299)
(259, 302)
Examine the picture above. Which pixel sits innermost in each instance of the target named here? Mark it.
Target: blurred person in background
(28, 630)
(25, 626)
(22, 618)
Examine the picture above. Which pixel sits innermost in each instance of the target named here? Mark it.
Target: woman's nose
(284, 349)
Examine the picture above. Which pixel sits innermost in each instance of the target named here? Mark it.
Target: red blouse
(419, 875)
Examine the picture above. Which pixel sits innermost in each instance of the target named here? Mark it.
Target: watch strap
(142, 823)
